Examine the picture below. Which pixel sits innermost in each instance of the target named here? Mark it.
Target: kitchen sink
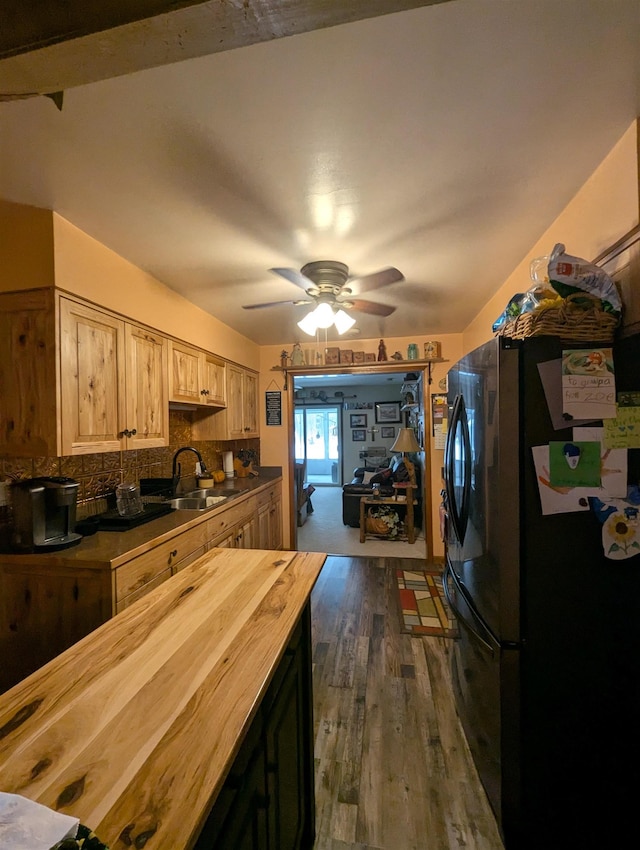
(196, 503)
(214, 492)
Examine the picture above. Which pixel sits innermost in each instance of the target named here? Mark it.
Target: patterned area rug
(424, 609)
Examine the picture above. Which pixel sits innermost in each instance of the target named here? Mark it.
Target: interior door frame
(381, 368)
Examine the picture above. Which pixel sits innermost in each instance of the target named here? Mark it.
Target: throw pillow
(367, 477)
(382, 477)
(400, 473)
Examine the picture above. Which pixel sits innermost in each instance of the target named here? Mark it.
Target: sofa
(362, 485)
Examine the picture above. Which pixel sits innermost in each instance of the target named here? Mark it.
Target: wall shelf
(379, 367)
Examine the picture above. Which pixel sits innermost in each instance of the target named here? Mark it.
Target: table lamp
(406, 442)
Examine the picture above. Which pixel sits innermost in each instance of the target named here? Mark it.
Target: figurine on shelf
(284, 359)
(382, 351)
(297, 355)
(397, 356)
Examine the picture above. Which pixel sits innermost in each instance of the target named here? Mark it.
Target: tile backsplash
(99, 474)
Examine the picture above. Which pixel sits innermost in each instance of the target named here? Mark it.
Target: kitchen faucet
(175, 469)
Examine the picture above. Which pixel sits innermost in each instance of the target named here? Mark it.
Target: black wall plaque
(273, 402)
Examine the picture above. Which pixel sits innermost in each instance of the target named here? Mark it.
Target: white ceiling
(441, 140)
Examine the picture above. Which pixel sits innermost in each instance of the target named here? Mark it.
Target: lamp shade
(406, 441)
(343, 321)
(308, 324)
(323, 317)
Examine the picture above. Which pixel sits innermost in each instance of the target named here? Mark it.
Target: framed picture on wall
(359, 435)
(387, 431)
(358, 420)
(387, 411)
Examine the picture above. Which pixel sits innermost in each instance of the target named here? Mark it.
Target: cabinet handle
(172, 555)
(128, 433)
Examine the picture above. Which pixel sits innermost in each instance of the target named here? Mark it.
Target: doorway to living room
(338, 427)
(318, 441)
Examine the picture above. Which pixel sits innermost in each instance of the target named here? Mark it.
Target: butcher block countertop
(134, 729)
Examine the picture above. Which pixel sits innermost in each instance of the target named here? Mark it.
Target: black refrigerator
(546, 668)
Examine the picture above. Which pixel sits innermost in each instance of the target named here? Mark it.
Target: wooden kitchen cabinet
(44, 609)
(239, 530)
(240, 418)
(140, 575)
(78, 380)
(29, 409)
(196, 377)
(114, 391)
(267, 801)
(269, 519)
(214, 381)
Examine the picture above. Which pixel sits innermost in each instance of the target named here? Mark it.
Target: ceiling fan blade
(368, 282)
(294, 276)
(371, 307)
(272, 304)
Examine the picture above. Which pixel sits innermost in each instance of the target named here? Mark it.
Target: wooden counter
(134, 729)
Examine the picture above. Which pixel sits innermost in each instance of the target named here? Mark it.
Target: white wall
(602, 211)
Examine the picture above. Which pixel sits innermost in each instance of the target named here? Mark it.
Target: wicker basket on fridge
(577, 318)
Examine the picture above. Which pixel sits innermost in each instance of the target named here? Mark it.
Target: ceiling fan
(328, 285)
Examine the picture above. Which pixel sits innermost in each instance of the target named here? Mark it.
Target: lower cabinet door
(288, 725)
(285, 764)
(246, 825)
(238, 821)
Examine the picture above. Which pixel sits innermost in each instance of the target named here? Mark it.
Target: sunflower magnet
(620, 534)
(620, 520)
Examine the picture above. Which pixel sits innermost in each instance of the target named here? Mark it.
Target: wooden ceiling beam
(59, 45)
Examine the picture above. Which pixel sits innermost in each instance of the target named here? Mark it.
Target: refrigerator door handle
(449, 572)
(458, 513)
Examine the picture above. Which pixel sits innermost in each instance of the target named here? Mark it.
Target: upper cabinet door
(214, 381)
(147, 404)
(235, 402)
(250, 405)
(29, 424)
(92, 379)
(185, 380)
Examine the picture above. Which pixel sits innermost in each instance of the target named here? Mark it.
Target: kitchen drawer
(191, 557)
(143, 569)
(121, 604)
(229, 518)
(268, 495)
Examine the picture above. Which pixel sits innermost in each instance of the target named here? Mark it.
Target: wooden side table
(408, 501)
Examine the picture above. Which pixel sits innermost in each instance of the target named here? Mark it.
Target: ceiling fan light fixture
(343, 321)
(323, 315)
(308, 324)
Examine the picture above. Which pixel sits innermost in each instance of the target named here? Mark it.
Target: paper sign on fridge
(588, 383)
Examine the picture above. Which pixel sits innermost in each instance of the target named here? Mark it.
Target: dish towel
(26, 825)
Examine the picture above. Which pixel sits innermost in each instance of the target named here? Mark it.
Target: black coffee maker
(44, 514)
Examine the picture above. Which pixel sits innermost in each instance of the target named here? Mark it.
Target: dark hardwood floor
(393, 771)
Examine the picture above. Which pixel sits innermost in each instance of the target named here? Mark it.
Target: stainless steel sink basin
(196, 503)
(225, 492)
